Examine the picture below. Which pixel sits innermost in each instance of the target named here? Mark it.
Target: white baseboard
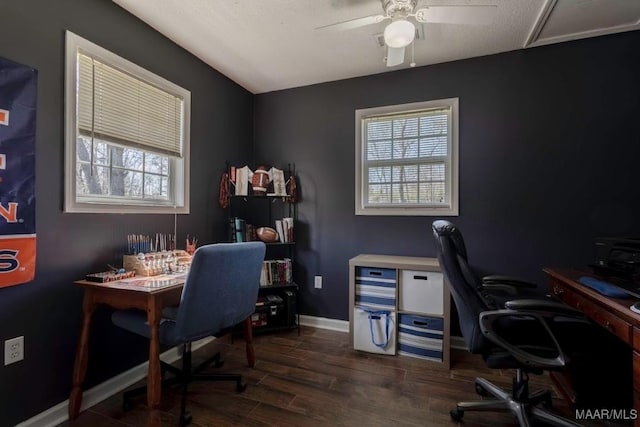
(325, 323)
(457, 343)
(60, 413)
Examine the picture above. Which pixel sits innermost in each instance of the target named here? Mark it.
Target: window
(407, 159)
(127, 135)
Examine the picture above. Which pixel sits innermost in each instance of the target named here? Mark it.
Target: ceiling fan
(401, 31)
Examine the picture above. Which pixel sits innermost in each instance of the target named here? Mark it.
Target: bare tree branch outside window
(406, 159)
(119, 171)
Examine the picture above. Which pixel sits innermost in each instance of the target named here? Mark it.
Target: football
(260, 181)
(267, 234)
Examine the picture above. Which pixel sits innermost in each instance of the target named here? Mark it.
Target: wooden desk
(612, 314)
(125, 295)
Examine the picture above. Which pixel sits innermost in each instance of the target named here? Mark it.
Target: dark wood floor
(315, 379)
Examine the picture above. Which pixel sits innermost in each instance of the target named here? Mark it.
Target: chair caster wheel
(127, 405)
(185, 419)
(481, 390)
(218, 361)
(241, 386)
(456, 414)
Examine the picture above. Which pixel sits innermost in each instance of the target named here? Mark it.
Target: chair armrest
(511, 290)
(538, 311)
(546, 305)
(507, 284)
(507, 280)
(487, 320)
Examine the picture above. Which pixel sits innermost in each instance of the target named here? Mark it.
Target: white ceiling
(267, 45)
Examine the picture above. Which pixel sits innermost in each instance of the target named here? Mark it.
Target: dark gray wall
(47, 311)
(549, 142)
(549, 149)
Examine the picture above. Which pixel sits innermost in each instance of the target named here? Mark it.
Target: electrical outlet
(318, 282)
(13, 350)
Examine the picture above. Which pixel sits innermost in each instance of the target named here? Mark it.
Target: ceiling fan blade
(354, 23)
(473, 15)
(395, 56)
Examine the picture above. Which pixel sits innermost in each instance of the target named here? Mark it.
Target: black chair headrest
(442, 228)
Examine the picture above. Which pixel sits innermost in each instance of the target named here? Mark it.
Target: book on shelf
(241, 231)
(276, 272)
(287, 224)
(239, 234)
(280, 230)
(284, 227)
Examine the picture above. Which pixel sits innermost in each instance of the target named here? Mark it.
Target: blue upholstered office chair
(528, 335)
(220, 292)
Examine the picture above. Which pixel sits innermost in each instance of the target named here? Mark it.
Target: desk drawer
(636, 339)
(613, 324)
(564, 293)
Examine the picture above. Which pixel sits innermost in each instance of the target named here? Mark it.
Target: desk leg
(154, 380)
(82, 353)
(154, 419)
(248, 339)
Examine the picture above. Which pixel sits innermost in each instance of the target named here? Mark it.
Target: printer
(618, 257)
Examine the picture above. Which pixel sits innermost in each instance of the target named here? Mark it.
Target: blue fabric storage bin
(420, 336)
(376, 287)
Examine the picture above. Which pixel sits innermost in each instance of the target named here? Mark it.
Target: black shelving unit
(277, 307)
(278, 316)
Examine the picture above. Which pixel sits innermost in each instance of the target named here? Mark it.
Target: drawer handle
(419, 323)
(375, 273)
(608, 325)
(421, 277)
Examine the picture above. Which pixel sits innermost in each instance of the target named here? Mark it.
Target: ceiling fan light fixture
(399, 33)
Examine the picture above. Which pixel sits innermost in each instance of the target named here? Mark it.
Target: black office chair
(220, 292)
(528, 335)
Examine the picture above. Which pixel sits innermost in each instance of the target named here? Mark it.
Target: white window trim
(180, 173)
(452, 173)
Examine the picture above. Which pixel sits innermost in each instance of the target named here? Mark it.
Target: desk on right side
(611, 313)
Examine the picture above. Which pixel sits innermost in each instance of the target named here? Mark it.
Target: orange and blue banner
(18, 90)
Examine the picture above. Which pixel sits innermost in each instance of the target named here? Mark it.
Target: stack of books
(276, 272)
(240, 231)
(284, 227)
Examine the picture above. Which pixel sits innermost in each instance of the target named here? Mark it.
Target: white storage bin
(421, 292)
(380, 329)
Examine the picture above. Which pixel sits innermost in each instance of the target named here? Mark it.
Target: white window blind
(117, 107)
(406, 159)
(127, 135)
